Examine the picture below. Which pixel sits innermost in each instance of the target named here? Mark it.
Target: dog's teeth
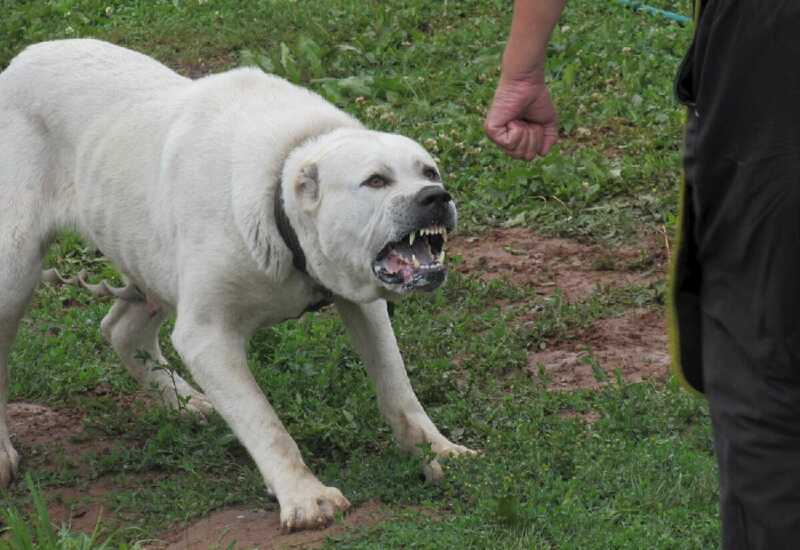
(440, 257)
(444, 236)
(412, 237)
(415, 261)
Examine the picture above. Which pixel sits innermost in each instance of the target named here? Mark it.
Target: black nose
(432, 194)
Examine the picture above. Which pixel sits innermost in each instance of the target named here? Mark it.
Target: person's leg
(747, 200)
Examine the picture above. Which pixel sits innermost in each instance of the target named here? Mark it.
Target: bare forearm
(531, 26)
(522, 119)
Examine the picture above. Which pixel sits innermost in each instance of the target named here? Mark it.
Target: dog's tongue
(405, 259)
(396, 263)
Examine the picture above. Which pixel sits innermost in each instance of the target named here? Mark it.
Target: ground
(546, 350)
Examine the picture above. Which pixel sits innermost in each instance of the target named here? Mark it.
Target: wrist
(520, 64)
(511, 74)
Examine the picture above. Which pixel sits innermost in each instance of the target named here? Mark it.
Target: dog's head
(371, 213)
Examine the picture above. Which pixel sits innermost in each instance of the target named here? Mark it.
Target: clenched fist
(522, 120)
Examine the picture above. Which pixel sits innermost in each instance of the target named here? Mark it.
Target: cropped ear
(307, 186)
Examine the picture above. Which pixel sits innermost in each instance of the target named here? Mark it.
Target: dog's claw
(312, 511)
(433, 471)
(9, 461)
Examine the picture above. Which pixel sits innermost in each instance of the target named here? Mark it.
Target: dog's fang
(440, 257)
(411, 238)
(415, 261)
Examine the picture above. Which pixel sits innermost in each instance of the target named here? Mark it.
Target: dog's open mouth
(415, 262)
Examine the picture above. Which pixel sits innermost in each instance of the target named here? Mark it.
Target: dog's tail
(129, 292)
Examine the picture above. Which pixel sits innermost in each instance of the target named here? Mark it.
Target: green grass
(643, 474)
(38, 531)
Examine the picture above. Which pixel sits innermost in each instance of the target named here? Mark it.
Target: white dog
(236, 201)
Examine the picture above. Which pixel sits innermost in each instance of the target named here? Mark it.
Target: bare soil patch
(52, 437)
(525, 258)
(55, 439)
(635, 343)
(33, 424)
(250, 528)
(200, 67)
(80, 507)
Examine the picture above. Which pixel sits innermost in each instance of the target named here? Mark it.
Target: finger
(550, 139)
(524, 146)
(507, 135)
(517, 132)
(527, 148)
(536, 142)
(529, 144)
(496, 129)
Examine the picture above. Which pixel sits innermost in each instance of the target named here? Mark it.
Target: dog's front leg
(371, 333)
(216, 357)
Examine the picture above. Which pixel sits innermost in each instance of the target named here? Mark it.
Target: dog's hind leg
(132, 329)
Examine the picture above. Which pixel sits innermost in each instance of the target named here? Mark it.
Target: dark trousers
(737, 280)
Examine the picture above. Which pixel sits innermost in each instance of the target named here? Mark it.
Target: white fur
(173, 180)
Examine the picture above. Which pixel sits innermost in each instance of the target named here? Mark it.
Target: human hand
(522, 120)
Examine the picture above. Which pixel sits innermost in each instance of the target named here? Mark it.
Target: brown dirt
(51, 438)
(200, 67)
(80, 507)
(524, 258)
(635, 343)
(34, 424)
(259, 528)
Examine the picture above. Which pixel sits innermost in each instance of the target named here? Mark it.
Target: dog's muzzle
(415, 261)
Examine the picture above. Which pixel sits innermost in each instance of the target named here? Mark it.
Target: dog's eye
(430, 173)
(376, 181)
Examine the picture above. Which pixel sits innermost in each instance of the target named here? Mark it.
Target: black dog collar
(289, 237)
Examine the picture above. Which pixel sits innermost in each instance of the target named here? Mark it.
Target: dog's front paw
(311, 506)
(433, 470)
(9, 460)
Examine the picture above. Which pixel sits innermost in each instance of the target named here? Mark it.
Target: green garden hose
(638, 6)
